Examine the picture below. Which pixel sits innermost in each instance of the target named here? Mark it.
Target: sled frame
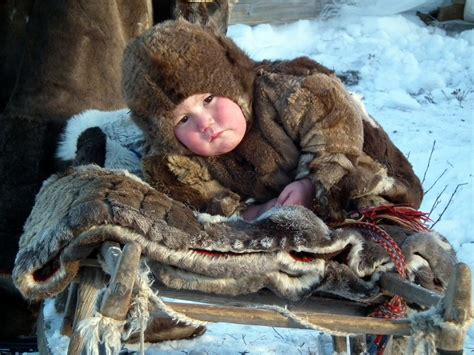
(337, 316)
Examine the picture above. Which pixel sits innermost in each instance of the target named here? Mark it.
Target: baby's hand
(254, 211)
(300, 192)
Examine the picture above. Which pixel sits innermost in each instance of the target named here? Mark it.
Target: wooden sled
(261, 308)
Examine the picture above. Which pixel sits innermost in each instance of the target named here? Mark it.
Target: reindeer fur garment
(301, 122)
(288, 250)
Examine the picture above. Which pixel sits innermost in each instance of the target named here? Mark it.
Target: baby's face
(209, 125)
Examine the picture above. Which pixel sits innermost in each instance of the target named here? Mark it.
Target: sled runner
(440, 322)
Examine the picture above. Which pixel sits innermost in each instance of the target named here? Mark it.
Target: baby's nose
(205, 122)
(208, 132)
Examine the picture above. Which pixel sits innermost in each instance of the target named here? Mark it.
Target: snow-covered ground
(417, 81)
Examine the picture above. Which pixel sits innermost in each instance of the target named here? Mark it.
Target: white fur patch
(416, 262)
(212, 219)
(119, 157)
(117, 126)
(386, 184)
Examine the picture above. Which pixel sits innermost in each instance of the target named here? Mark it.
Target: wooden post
(43, 346)
(457, 311)
(358, 344)
(61, 300)
(111, 253)
(339, 344)
(70, 310)
(117, 297)
(91, 282)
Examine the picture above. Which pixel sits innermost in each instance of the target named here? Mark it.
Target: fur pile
(288, 250)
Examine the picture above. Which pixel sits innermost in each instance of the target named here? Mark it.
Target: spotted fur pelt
(288, 250)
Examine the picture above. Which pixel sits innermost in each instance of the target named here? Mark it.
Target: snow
(417, 81)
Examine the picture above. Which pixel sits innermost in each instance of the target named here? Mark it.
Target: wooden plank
(254, 316)
(275, 11)
(457, 311)
(310, 304)
(393, 284)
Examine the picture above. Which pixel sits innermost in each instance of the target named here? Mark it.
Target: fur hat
(177, 59)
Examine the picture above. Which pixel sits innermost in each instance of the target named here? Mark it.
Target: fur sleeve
(330, 130)
(187, 180)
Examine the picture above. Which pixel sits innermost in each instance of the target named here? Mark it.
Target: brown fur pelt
(288, 250)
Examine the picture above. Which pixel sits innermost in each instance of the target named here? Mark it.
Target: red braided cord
(381, 237)
(408, 217)
(402, 215)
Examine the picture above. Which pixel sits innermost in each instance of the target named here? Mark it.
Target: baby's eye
(208, 99)
(184, 119)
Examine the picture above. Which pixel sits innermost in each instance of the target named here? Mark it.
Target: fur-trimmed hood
(171, 62)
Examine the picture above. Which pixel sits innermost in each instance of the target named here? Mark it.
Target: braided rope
(288, 314)
(381, 237)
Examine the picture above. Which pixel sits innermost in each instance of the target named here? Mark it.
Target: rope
(288, 314)
(427, 325)
(100, 329)
(152, 296)
(180, 317)
(139, 314)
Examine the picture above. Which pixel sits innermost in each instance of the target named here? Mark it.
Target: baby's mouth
(215, 136)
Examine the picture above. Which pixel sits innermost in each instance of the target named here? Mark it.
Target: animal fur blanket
(288, 250)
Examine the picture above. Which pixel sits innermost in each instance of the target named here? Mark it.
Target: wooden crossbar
(255, 316)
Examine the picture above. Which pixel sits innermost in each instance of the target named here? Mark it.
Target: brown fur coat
(302, 122)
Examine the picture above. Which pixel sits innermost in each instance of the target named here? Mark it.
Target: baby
(222, 129)
(211, 125)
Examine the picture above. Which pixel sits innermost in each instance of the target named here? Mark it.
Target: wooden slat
(61, 300)
(310, 304)
(70, 310)
(393, 284)
(253, 12)
(253, 316)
